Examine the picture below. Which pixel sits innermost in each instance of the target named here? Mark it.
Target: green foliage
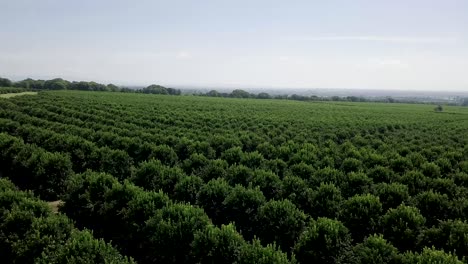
(240, 205)
(217, 245)
(415, 180)
(4, 82)
(351, 164)
(327, 201)
(429, 256)
(449, 235)
(268, 182)
(433, 206)
(391, 195)
(171, 232)
(186, 189)
(361, 214)
(324, 241)
(375, 249)
(280, 222)
(31, 233)
(402, 225)
(356, 183)
(153, 175)
(211, 197)
(255, 253)
(264, 166)
(30, 167)
(83, 248)
(297, 191)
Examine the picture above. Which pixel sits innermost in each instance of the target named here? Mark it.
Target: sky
(366, 44)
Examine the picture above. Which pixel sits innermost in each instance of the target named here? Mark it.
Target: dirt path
(9, 95)
(55, 205)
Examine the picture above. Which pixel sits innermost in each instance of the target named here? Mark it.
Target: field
(187, 179)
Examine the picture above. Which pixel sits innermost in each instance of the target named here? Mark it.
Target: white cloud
(183, 55)
(394, 39)
(383, 63)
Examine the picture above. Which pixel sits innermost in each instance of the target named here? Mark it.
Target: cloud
(390, 62)
(394, 39)
(383, 63)
(183, 55)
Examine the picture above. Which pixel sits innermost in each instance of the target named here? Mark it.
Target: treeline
(239, 93)
(61, 84)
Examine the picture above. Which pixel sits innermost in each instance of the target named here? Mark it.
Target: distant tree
(298, 97)
(281, 97)
(155, 89)
(56, 84)
(464, 102)
(439, 108)
(238, 93)
(213, 93)
(113, 88)
(4, 82)
(173, 91)
(263, 96)
(30, 84)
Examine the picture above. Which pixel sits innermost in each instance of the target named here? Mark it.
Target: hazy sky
(375, 44)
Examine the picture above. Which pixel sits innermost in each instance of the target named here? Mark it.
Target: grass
(9, 95)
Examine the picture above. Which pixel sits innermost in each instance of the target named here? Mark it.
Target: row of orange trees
(234, 180)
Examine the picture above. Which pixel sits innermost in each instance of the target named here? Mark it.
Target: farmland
(188, 179)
